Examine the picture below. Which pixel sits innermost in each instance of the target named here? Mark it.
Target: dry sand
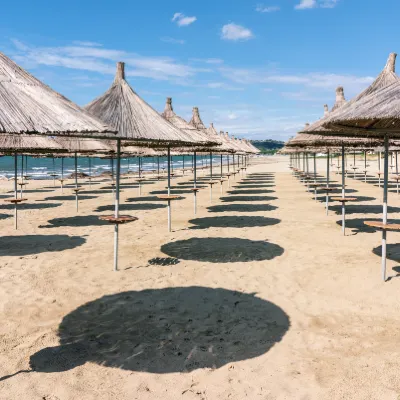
(257, 297)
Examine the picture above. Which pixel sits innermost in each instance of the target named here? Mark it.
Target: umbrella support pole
(327, 183)
(385, 200)
(76, 182)
(116, 226)
(210, 193)
(16, 189)
(194, 161)
(343, 194)
(169, 188)
(62, 174)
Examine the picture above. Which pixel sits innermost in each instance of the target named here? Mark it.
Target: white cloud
(167, 39)
(307, 4)
(183, 20)
(236, 32)
(266, 9)
(86, 43)
(208, 60)
(314, 79)
(102, 60)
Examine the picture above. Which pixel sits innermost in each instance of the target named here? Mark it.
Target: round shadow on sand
(222, 250)
(76, 221)
(35, 244)
(165, 331)
(392, 251)
(232, 222)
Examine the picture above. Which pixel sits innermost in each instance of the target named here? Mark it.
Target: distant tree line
(268, 146)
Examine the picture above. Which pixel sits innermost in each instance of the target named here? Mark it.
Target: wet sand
(258, 296)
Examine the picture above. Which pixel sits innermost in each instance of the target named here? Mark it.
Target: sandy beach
(258, 296)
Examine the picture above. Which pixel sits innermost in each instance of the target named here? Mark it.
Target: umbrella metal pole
(183, 165)
(62, 174)
(221, 175)
(158, 166)
(194, 182)
(229, 178)
(54, 171)
(76, 181)
(169, 188)
(343, 194)
(354, 166)
(379, 169)
(385, 200)
(327, 183)
(315, 175)
(90, 172)
(16, 190)
(365, 166)
(211, 176)
(140, 176)
(116, 213)
(22, 172)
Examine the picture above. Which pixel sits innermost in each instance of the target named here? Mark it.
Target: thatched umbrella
(374, 113)
(170, 115)
(28, 106)
(26, 144)
(138, 124)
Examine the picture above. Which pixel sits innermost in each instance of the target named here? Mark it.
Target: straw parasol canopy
(196, 120)
(374, 111)
(317, 126)
(28, 144)
(29, 106)
(135, 120)
(197, 135)
(224, 147)
(85, 145)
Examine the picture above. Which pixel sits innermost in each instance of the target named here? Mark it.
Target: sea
(43, 167)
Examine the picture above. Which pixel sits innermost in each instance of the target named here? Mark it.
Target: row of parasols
(368, 122)
(34, 119)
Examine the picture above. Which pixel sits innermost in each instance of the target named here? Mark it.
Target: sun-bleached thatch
(317, 126)
(28, 144)
(85, 145)
(303, 140)
(376, 108)
(135, 120)
(224, 147)
(196, 120)
(195, 134)
(29, 106)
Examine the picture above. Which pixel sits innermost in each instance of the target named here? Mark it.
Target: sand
(259, 296)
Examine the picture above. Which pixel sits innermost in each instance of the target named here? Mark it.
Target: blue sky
(256, 69)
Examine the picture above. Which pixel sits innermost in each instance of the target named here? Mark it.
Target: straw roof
(376, 108)
(84, 145)
(303, 140)
(135, 120)
(28, 144)
(224, 147)
(196, 120)
(29, 106)
(190, 130)
(317, 126)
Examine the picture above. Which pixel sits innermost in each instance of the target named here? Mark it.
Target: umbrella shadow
(5, 216)
(131, 207)
(241, 208)
(70, 197)
(247, 198)
(173, 191)
(250, 191)
(35, 244)
(222, 250)
(363, 209)
(77, 221)
(30, 206)
(163, 331)
(145, 198)
(255, 186)
(232, 222)
(358, 226)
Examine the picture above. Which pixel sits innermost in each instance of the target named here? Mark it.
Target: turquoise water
(40, 168)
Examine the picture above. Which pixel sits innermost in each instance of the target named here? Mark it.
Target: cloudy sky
(256, 69)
